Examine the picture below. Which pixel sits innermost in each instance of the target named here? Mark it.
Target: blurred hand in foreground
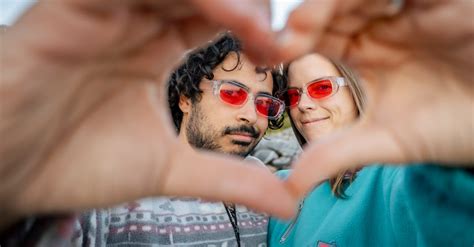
(416, 60)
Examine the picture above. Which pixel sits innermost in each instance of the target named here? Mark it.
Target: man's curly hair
(200, 63)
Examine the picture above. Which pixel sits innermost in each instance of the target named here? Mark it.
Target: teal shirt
(386, 206)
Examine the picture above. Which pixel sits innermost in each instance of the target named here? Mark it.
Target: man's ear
(185, 104)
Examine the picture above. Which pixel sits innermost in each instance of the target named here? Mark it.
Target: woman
(383, 206)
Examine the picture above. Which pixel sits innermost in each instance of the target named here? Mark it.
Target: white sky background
(10, 10)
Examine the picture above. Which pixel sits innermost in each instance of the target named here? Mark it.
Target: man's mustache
(252, 131)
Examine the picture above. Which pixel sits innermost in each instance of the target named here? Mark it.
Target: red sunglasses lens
(320, 89)
(233, 94)
(293, 97)
(268, 107)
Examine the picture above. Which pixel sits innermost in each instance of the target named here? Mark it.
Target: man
(219, 101)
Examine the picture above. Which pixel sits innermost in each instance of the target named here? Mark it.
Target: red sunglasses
(318, 89)
(237, 94)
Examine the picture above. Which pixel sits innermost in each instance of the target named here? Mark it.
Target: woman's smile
(312, 121)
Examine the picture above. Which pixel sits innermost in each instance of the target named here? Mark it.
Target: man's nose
(247, 112)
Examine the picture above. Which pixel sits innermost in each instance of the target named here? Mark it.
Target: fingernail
(291, 44)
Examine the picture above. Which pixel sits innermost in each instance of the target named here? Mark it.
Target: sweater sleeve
(432, 206)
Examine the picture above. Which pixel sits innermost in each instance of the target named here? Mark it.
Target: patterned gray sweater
(168, 221)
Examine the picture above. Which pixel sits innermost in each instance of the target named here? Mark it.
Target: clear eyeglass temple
(340, 81)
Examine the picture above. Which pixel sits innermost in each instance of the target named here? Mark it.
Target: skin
(214, 116)
(315, 119)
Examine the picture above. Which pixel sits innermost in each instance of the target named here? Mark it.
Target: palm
(104, 132)
(106, 73)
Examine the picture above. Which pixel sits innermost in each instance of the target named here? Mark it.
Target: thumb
(224, 178)
(350, 148)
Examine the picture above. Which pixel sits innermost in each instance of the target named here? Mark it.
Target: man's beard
(200, 134)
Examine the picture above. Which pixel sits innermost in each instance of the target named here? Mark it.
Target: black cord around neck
(232, 213)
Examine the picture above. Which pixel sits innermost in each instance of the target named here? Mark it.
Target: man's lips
(242, 136)
(313, 120)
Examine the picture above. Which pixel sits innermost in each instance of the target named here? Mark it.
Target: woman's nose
(306, 103)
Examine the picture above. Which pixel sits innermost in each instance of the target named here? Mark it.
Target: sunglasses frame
(216, 86)
(336, 82)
